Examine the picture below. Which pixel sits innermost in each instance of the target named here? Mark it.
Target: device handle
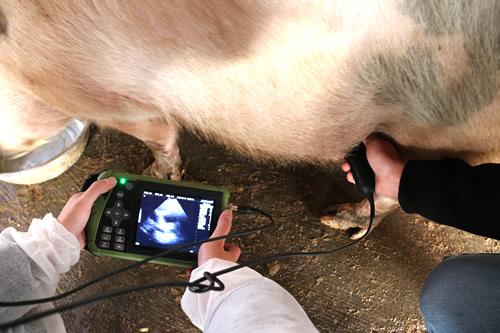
(361, 170)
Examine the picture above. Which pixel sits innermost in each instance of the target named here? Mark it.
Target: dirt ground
(373, 287)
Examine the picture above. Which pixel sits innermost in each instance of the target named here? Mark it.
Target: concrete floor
(373, 287)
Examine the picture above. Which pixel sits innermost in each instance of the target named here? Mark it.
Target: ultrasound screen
(166, 221)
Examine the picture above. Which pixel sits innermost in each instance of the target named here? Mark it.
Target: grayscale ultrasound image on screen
(167, 221)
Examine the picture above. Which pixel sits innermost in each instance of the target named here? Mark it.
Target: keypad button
(116, 222)
(117, 213)
(104, 244)
(106, 237)
(126, 214)
(129, 186)
(120, 239)
(118, 204)
(119, 247)
(120, 231)
(107, 229)
(109, 212)
(120, 195)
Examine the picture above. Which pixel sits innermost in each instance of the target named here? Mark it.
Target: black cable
(211, 277)
(90, 300)
(242, 210)
(195, 286)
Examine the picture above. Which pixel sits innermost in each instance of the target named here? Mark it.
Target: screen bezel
(198, 193)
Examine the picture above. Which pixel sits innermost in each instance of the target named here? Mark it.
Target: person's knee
(442, 282)
(458, 288)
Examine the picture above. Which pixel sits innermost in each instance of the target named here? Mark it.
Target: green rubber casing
(132, 188)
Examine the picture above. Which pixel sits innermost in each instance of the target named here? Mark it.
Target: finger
(376, 145)
(370, 139)
(233, 250)
(350, 178)
(224, 224)
(96, 189)
(346, 167)
(228, 246)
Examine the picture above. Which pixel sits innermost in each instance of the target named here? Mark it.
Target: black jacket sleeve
(453, 193)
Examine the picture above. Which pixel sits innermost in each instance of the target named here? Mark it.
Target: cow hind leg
(356, 217)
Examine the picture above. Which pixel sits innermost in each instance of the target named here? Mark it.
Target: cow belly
(295, 82)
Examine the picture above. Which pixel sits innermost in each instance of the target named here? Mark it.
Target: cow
(293, 81)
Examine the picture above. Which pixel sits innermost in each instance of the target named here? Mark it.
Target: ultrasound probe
(364, 177)
(361, 170)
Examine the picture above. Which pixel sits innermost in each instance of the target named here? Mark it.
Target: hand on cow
(386, 164)
(220, 249)
(76, 212)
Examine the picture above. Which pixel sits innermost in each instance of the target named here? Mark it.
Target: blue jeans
(462, 294)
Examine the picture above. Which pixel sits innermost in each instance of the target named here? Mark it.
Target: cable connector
(244, 210)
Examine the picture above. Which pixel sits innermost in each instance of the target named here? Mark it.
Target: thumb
(371, 142)
(224, 224)
(96, 189)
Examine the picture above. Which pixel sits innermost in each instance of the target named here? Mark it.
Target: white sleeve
(249, 303)
(31, 264)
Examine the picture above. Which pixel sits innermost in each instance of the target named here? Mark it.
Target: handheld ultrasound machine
(144, 216)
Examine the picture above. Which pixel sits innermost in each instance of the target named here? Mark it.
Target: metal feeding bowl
(49, 160)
